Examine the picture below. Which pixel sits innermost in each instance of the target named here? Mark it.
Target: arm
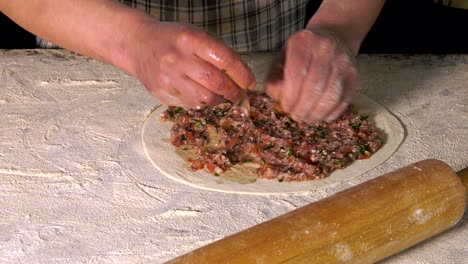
(351, 20)
(314, 77)
(177, 63)
(86, 27)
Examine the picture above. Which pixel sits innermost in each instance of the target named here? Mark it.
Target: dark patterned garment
(246, 26)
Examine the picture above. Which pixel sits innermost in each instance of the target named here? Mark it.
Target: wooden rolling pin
(363, 224)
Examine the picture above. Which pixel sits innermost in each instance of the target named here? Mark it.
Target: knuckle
(168, 60)
(328, 102)
(336, 91)
(343, 61)
(164, 80)
(327, 45)
(303, 34)
(208, 99)
(186, 36)
(217, 83)
(229, 61)
(315, 89)
(298, 38)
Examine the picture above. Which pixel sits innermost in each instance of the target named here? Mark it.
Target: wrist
(352, 42)
(125, 49)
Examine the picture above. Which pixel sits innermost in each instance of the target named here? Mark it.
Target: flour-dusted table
(75, 186)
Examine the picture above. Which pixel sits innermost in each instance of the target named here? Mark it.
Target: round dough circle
(163, 156)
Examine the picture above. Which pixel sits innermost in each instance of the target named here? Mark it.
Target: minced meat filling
(223, 136)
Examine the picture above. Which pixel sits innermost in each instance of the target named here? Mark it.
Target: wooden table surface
(76, 187)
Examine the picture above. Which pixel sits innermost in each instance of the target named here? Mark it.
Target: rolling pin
(363, 224)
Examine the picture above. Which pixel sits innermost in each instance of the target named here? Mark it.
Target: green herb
(203, 102)
(198, 123)
(248, 160)
(289, 151)
(313, 139)
(364, 117)
(340, 163)
(185, 148)
(281, 180)
(318, 171)
(363, 148)
(179, 110)
(270, 146)
(355, 126)
(183, 137)
(216, 174)
(220, 112)
(321, 134)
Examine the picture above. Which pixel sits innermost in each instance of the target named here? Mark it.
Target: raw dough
(165, 157)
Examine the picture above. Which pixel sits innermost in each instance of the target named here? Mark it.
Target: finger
(312, 88)
(211, 78)
(166, 98)
(334, 90)
(328, 101)
(193, 95)
(350, 85)
(297, 63)
(275, 78)
(225, 59)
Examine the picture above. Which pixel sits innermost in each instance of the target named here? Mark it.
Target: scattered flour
(76, 188)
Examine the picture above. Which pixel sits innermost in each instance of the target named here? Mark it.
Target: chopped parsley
(321, 134)
(179, 110)
(289, 151)
(270, 146)
(183, 137)
(355, 126)
(216, 174)
(364, 117)
(199, 123)
(363, 148)
(313, 139)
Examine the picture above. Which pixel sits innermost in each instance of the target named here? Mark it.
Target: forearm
(350, 20)
(95, 28)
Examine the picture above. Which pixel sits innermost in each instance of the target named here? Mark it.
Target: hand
(314, 77)
(182, 65)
